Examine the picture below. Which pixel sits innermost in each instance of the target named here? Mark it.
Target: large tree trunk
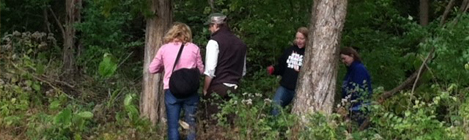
(152, 97)
(317, 80)
(72, 8)
(423, 12)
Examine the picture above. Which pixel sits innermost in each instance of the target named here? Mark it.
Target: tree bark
(72, 8)
(317, 79)
(423, 12)
(464, 6)
(152, 96)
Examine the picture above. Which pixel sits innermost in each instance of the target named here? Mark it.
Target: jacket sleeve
(156, 64)
(361, 80)
(279, 69)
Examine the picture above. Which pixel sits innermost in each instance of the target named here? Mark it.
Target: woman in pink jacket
(178, 35)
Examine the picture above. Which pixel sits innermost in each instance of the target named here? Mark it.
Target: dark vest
(232, 52)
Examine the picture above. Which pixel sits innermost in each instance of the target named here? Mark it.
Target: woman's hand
(270, 70)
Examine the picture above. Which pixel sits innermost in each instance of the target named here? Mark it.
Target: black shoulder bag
(184, 82)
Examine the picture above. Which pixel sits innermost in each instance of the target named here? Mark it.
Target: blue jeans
(173, 109)
(282, 98)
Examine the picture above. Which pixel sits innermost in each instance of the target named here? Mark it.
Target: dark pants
(358, 114)
(212, 102)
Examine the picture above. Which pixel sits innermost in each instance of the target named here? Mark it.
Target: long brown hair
(351, 52)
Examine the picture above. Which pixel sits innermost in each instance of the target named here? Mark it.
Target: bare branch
(62, 30)
(421, 69)
(447, 10)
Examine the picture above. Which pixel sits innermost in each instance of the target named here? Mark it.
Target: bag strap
(179, 55)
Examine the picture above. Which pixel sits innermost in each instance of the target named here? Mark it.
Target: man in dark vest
(225, 64)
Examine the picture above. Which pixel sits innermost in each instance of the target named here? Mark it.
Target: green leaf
(40, 69)
(107, 67)
(128, 99)
(36, 87)
(54, 105)
(77, 136)
(86, 114)
(64, 117)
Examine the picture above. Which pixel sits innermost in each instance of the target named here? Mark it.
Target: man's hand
(207, 82)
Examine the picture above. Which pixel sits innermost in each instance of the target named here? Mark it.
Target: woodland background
(73, 69)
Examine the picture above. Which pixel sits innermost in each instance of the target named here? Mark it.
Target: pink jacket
(166, 55)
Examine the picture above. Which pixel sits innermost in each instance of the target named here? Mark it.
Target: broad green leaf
(107, 67)
(86, 114)
(64, 117)
(55, 104)
(128, 99)
(37, 86)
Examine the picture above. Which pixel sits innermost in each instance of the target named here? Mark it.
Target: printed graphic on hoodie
(295, 61)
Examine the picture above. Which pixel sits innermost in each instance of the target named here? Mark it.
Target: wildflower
(43, 44)
(258, 94)
(28, 88)
(267, 100)
(248, 101)
(245, 93)
(36, 35)
(16, 33)
(14, 56)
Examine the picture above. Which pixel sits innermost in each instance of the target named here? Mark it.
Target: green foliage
(324, 127)
(107, 66)
(450, 43)
(420, 120)
(104, 32)
(252, 118)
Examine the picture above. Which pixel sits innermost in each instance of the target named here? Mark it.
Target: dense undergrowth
(36, 104)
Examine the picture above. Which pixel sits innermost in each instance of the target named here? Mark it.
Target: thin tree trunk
(72, 8)
(212, 5)
(317, 80)
(464, 6)
(0, 18)
(423, 12)
(152, 97)
(46, 20)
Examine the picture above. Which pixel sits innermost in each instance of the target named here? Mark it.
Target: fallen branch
(421, 69)
(43, 80)
(414, 77)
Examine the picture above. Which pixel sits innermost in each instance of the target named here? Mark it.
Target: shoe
(183, 124)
